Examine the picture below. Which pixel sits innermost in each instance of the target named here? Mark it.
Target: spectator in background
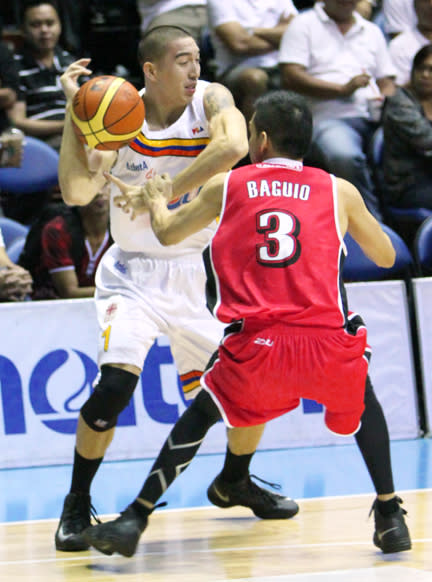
(10, 141)
(40, 108)
(407, 124)
(341, 63)
(63, 253)
(15, 282)
(366, 8)
(399, 15)
(245, 36)
(406, 44)
(9, 85)
(188, 14)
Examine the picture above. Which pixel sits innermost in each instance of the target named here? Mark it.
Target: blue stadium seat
(358, 267)
(423, 248)
(38, 171)
(12, 230)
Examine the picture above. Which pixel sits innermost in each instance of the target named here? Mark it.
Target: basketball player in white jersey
(192, 131)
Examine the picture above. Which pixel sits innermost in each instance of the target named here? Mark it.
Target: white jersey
(168, 151)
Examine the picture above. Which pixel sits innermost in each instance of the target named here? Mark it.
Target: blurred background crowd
(365, 67)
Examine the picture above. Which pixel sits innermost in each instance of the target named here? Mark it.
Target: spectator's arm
(35, 127)
(240, 41)
(403, 120)
(386, 86)
(15, 282)
(296, 78)
(67, 286)
(4, 258)
(274, 35)
(7, 97)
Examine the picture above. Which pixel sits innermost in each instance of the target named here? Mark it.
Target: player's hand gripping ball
(107, 112)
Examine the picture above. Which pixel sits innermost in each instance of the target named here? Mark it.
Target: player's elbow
(234, 151)
(165, 234)
(73, 196)
(167, 238)
(388, 259)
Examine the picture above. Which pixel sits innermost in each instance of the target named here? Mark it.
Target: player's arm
(81, 171)
(228, 141)
(355, 218)
(172, 227)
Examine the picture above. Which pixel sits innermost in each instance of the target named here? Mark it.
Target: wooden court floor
(329, 540)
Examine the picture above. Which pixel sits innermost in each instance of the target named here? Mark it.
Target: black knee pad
(109, 398)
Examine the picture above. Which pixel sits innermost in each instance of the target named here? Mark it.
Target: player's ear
(263, 141)
(149, 70)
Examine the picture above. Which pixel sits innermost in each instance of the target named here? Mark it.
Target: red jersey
(286, 262)
(57, 254)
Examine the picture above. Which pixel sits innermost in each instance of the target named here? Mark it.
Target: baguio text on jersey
(278, 189)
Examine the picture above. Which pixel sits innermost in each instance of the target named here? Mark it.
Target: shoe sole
(74, 543)
(64, 547)
(108, 543)
(214, 498)
(402, 545)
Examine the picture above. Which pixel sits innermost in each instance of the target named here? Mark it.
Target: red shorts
(261, 372)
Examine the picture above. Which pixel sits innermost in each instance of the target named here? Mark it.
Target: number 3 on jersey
(280, 230)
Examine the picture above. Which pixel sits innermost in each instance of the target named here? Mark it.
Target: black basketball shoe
(75, 518)
(391, 532)
(264, 503)
(119, 535)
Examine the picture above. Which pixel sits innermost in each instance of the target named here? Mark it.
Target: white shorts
(139, 299)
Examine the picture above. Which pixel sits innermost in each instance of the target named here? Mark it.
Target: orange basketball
(107, 112)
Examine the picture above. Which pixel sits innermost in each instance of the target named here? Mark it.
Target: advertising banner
(423, 304)
(48, 365)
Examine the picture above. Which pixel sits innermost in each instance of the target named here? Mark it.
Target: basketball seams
(137, 104)
(102, 131)
(104, 104)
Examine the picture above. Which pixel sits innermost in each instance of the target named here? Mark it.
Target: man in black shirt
(40, 108)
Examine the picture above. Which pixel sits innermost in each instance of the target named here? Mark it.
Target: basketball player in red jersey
(274, 277)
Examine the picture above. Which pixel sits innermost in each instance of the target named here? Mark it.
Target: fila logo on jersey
(263, 342)
(196, 130)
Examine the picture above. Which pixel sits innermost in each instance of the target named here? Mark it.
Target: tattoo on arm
(217, 98)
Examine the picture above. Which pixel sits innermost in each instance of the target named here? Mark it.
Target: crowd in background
(364, 66)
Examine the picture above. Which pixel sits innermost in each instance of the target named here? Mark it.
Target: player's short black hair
(287, 120)
(27, 4)
(153, 43)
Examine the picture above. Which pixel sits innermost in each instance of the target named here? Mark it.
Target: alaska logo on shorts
(120, 267)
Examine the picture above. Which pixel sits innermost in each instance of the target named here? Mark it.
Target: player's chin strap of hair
(110, 396)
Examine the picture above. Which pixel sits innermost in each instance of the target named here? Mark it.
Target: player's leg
(194, 337)
(234, 486)
(127, 333)
(96, 425)
(122, 534)
(391, 533)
